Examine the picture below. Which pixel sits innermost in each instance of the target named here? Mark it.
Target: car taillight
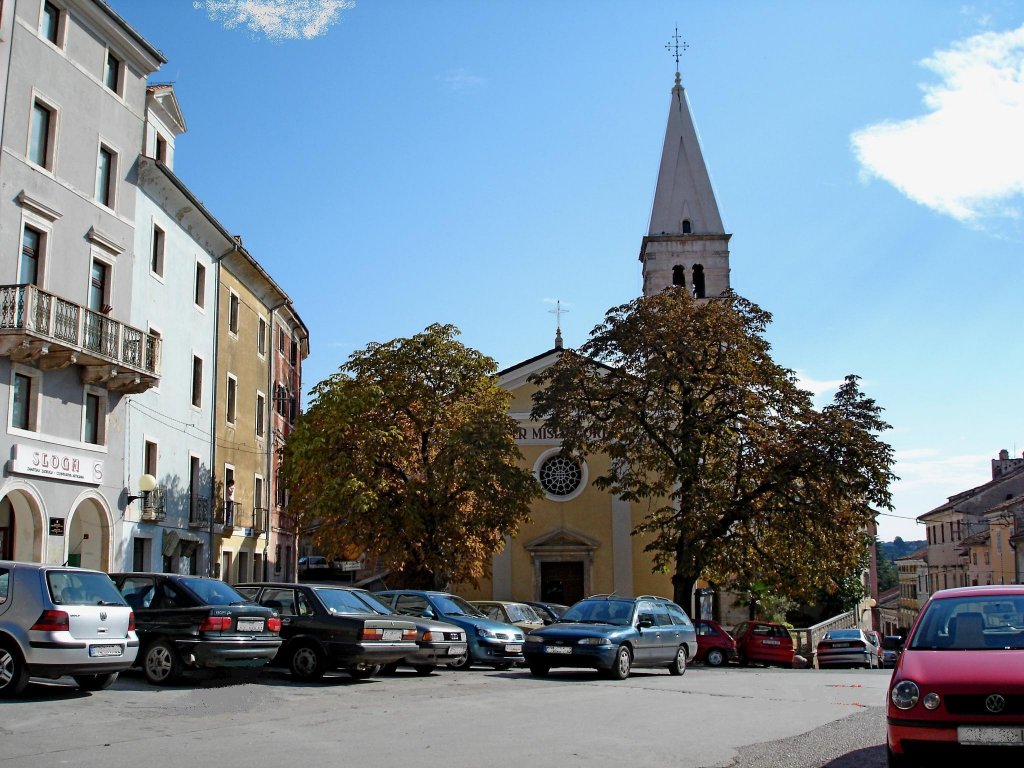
(215, 624)
(409, 634)
(131, 621)
(371, 633)
(274, 624)
(52, 621)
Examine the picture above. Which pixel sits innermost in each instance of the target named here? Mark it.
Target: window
(95, 416)
(197, 381)
(23, 403)
(98, 287)
(280, 340)
(261, 338)
(156, 256)
(49, 23)
(698, 281)
(31, 248)
(233, 314)
(232, 394)
(161, 149)
(140, 562)
(149, 458)
(41, 135)
(106, 172)
(261, 407)
(200, 296)
(687, 227)
(257, 493)
(295, 351)
(112, 73)
(679, 276)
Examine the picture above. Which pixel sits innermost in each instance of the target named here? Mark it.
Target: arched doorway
(21, 525)
(88, 535)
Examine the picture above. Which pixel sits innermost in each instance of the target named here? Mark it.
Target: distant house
(913, 572)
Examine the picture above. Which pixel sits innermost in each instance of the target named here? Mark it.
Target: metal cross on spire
(676, 48)
(558, 312)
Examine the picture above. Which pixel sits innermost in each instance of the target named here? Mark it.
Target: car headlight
(905, 694)
(931, 701)
(481, 632)
(595, 641)
(533, 639)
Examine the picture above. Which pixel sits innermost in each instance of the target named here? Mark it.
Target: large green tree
(408, 451)
(743, 479)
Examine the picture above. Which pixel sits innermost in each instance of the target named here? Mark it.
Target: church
(579, 539)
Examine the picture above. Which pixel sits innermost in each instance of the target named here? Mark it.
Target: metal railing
(153, 507)
(805, 641)
(260, 520)
(199, 511)
(227, 514)
(28, 308)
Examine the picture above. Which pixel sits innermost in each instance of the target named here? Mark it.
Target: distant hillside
(898, 547)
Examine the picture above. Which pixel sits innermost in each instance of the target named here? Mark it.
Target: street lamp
(147, 484)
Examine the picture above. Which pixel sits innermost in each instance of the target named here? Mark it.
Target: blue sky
(395, 163)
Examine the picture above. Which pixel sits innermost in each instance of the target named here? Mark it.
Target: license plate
(513, 649)
(999, 736)
(840, 645)
(557, 649)
(456, 650)
(106, 650)
(772, 642)
(250, 625)
(392, 634)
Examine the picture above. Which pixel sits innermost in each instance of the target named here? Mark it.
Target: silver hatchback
(58, 621)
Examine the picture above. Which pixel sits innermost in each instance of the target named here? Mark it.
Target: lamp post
(147, 484)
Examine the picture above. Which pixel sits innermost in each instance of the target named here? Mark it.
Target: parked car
(307, 562)
(764, 642)
(876, 641)
(715, 646)
(490, 642)
(519, 614)
(959, 683)
(614, 634)
(548, 612)
(191, 622)
(58, 621)
(848, 648)
(328, 627)
(439, 644)
(892, 647)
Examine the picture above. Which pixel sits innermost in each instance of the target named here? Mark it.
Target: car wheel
(424, 669)
(389, 669)
(95, 682)
(462, 663)
(13, 674)
(363, 671)
(623, 662)
(539, 670)
(161, 664)
(678, 665)
(714, 658)
(307, 662)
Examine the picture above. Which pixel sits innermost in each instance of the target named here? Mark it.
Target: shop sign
(57, 465)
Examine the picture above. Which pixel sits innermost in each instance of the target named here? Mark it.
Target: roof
(953, 501)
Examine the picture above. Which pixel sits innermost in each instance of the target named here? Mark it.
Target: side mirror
(428, 613)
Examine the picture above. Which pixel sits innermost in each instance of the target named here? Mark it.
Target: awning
(176, 537)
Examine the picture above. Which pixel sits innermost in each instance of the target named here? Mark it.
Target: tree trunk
(682, 591)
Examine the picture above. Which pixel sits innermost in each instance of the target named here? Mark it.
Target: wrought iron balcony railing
(153, 507)
(198, 511)
(227, 514)
(51, 332)
(260, 520)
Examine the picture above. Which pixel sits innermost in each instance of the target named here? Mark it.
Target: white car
(58, 621)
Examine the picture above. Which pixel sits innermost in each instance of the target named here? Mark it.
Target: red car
(959, 683)
(715, 646)
(763, 641)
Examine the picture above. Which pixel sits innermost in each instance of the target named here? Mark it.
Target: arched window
(698, 281)
(687, 229)
(679, 275)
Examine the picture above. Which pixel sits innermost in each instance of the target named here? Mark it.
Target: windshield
(978, 622)
(617, 612)
(521, 612)
(342, 601)
(450, 605)
(82, 588)
(213, 592)
(375, 605)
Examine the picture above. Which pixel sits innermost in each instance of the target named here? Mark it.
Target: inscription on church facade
(529, 432)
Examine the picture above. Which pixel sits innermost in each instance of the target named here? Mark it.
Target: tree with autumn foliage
(408, 452)
(743, 479)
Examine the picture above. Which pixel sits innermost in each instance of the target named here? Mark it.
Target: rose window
(560, 476)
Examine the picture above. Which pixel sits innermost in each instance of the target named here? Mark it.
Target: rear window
(82, 588)
(213, 592)
(341, 601)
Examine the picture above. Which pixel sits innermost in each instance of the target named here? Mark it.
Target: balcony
(48, 332)
(226, 516)
(153, 509)
(199, 512)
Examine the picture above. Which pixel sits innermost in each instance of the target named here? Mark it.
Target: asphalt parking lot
(708, 717)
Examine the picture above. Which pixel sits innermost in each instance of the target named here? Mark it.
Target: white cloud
(277, 19)
(817, 387)
(461, 80)
(925, 469)
(963, 157)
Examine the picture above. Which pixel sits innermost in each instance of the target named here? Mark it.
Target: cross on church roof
(676, 48)
(558, 312)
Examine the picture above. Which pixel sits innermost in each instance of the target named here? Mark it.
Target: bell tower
(686, 244)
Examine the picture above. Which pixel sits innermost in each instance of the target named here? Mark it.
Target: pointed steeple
(686, 244)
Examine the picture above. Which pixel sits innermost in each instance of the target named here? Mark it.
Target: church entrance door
(561, 581)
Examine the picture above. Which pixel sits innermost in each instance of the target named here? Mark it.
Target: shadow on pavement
(861, 758)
